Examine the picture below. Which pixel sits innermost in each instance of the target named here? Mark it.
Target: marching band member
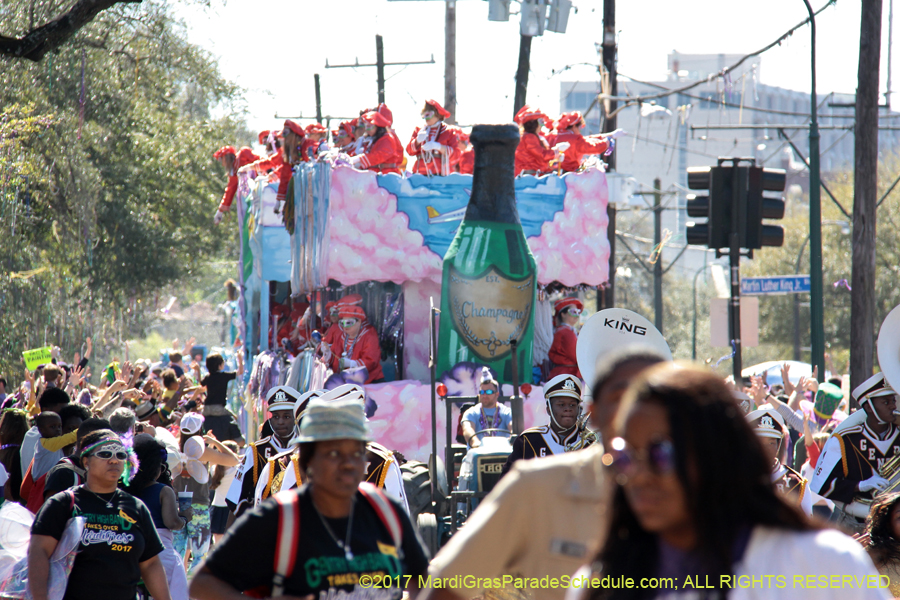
(232, 162)
(770, 428)
(283, 471)
(562, 433)
(383, 154)
(435, 146)
(569, 130)
(847, 471)
(315, 142)
(534, 154)
(356, 346)
(565, 339)
(280, 401)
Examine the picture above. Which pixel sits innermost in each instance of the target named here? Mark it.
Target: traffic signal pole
(734, 258)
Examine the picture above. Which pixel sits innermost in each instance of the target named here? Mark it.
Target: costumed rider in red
(232, 161)
(435, 146)
(848, 470)
(292, 149)
(466, 164)
(565, 339)
(315, 142)
(569, 130)
(565, 432)
(343, 137)
(770, 427)
(280, 401)
(534, 156)
(274, 158)
(384, 153)
(283, 470)
(356, 347)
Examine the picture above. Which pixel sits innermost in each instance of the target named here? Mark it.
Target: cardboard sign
(37, 357)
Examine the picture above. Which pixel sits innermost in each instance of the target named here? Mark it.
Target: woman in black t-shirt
(345, 548)
(119, 545)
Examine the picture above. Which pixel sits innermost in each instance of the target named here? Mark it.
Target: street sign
(781, 284)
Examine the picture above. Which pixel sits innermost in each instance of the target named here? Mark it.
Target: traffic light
(715, 206)
(559, 15)
(498, 10)
(756, 234)
(533, 17)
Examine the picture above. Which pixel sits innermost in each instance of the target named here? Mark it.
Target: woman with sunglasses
(565, 339)
(489, 417)
(694, 506)
(119, 545)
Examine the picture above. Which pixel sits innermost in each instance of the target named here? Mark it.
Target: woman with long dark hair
(882, 538)
(694, 506)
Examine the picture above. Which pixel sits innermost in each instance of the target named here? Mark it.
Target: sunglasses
(348, 322)
(486, 392)
(108, 454)
(659, 456)
(574, 311)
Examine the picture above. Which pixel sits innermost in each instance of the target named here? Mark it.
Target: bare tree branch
(37, 42)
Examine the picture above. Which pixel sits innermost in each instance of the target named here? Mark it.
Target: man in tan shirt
(545, 518)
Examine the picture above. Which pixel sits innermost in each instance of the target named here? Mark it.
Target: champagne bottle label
(490, 310)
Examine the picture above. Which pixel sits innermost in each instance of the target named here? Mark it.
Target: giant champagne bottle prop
(489, 279)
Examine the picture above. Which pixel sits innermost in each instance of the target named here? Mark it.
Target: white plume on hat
(486, 376)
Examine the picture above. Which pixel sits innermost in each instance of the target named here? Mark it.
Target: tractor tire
(428, 530)
(417, 483)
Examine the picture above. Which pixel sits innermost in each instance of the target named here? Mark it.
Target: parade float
(385, 237)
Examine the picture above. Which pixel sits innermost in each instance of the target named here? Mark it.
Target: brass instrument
(585, 436)
(890, 470)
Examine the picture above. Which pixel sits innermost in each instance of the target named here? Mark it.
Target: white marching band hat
(766, 422)
(281, 397)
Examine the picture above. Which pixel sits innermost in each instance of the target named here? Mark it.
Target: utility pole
(657, 266)
(607, 299)
(450, 60)
(522, 72)
(865, 195)
(318, 99)
(379, 65)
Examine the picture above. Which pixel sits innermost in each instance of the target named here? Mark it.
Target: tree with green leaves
(106, 175)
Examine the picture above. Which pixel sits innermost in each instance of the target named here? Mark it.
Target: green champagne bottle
(489, 280)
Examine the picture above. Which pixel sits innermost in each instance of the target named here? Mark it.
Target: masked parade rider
(534, 156)
(232, 161)
(355, 346)
(848, 468)
(565, 339)
(435, 146)
(383, 153)
(280, 401)
(569, 129)
(488, 416)
(770, 427)
(563, 433)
